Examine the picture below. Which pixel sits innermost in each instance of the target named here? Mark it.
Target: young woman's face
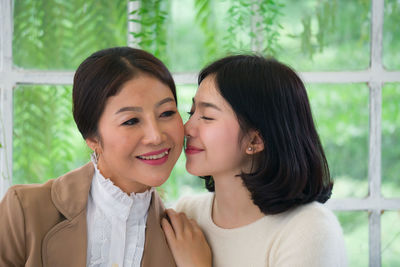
(213, 146)
(141, 135)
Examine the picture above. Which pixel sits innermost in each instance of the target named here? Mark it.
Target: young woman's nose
(153, 134)
(189, 127)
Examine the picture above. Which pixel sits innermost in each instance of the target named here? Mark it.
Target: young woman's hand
(186, 241)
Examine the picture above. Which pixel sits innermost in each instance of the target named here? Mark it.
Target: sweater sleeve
(12, 230)
(311, 238)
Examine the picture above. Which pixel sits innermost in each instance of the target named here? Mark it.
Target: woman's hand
(186, 241)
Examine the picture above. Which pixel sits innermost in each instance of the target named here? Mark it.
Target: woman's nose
(153, 134)
(189, 127)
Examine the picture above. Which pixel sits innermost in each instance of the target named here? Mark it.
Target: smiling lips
(190, 150)
(156, 157)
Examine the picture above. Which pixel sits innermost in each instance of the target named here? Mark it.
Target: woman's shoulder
(37, 195)
(316, 227)
(195, 204)
(25, 193)
(313, 213)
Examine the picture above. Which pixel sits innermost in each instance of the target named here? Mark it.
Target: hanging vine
(153, 18)
(243, 31)
(205, 17)
(271, 12)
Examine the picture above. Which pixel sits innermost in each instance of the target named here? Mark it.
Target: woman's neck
(233, 206)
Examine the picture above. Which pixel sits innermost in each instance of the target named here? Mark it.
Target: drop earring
(95, 157)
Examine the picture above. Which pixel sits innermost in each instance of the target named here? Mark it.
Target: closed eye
(206, 118)
(130, 122)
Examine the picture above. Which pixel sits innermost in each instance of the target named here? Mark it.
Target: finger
(176, 222)
(168, 231)
(186, 224)
(195, 227)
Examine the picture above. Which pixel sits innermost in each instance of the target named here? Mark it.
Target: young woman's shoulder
(312, 236)
(195, 205)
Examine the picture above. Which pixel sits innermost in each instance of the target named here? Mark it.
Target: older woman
(105, 213)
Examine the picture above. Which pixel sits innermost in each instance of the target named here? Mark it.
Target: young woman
(251, 136)
(107, 212)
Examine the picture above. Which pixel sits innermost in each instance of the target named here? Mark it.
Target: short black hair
(269, 97)
(103, 74)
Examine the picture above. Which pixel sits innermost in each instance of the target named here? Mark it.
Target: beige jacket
(45, 224)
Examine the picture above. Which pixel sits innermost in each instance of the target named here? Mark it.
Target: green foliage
(271, 12)
(46, 142)
(391, 140)
(56, 34)
(324, 34)
(205, 17)
(391, 33)
(313, 41)
(341, 114)
(251, 25)
(237, 37)
(153, 21)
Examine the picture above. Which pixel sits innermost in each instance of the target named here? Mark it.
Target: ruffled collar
(114, 202)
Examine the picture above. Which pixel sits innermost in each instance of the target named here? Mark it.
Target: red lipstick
(193, 150)
(155, 157)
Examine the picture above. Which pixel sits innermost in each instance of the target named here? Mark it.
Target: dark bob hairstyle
(103, 74)
(269, 97)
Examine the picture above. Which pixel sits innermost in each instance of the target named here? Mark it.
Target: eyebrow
(207, 105)
(139, 109)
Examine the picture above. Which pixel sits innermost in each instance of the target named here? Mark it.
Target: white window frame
(375, 76)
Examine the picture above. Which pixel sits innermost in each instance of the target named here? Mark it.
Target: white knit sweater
(307, 236)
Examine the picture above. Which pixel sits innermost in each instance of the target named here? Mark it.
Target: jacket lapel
(66, 243)
(156, 251)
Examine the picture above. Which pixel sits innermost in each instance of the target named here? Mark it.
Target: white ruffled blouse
(116, 224)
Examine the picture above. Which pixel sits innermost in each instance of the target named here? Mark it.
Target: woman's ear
(256, 143)
(93, 143)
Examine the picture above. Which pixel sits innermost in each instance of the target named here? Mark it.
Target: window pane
(315, 34)
(326, 35)
(355, 230)
(390, 238)
(188, 45)
(391, 140)
(51, 34)
(391, 35)
(46, 142)
(341, 115)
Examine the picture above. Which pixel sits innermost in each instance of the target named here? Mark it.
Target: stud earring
(249, 148)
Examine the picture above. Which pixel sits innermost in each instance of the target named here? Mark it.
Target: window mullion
(6, 94)
(133, 26)
(375, 107)
(374, 238)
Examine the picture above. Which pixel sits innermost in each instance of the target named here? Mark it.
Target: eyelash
(202, 117)
(168, 113)
(133, 121)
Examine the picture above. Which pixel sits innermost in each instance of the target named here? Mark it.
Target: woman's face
(214, 146)
(141, 135)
